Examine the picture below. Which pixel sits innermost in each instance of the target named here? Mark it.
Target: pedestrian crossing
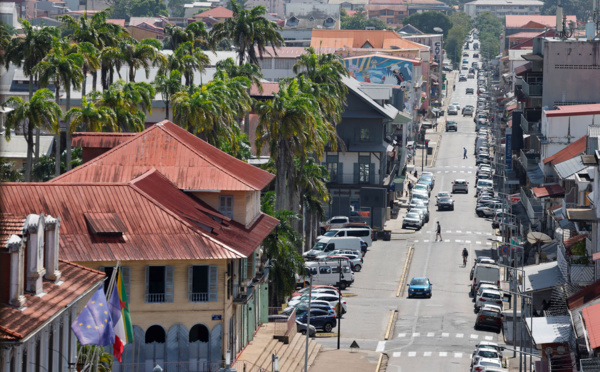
(472, 336)
(442, 354)
(461, 241)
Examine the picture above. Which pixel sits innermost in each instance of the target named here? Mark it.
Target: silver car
(412, 219)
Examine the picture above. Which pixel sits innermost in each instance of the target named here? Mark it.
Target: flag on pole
(94, 324)
(119, 310)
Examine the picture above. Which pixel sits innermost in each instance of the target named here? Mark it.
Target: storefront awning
(402, 118)
(549, 190)
(522, 69)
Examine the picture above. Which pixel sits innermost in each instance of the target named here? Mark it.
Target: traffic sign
(505, 249)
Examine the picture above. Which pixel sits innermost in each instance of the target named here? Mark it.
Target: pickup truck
(336, 222)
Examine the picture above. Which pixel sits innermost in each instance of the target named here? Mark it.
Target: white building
(501, 8)
(9, 14)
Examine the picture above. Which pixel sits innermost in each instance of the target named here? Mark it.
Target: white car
(452, 110)
(484, 363)
(422, 186)
(485, 353)
(443, 194)
(488, 296)
(412, 219)
(457, 105)
(331, 299)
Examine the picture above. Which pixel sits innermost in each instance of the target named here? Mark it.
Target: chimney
(34, 226)
(15, 246)
(52, 241)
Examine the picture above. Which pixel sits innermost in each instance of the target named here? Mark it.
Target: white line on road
(447, 240)
(488, 243)
(443, 354)
(448, 231)
(468, 232)
(477, 242)
(489, 338)
(475, 337)
(458, 355)
(416, 334)
(412, 353)
(458, 241)
(426, 241)
(427, 353)
(430, 334)
(380, 347)
(396, 354)
(445, 334)
(460, 335)
(402, 335)
(458, 232)
(467, 242)
(416, 241)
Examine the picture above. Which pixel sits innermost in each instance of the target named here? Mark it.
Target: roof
(568, 168)
(518, 21)
(387, 110)
(16, 148)
(538, 277)
(160, 221)
(574, 110)
(549, 190)
(409, 2)
(269, 90)
(410, 29)
(524, 35)
(581, 214)
(396, 7)
(100, 140)
(119, 22)
(550, 330)
(585, 295)
(136, 21)
(186, 160)
(569, 152)
(358, 38)
(218, 12)
(16, 324)
(292, 52)
(591, 316)
(10, 225)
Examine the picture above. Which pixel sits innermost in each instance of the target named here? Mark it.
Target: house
(392, 15)
(214, 15)
(310, 16)
(15, 150)
(502, 8)
(377, 39)
(350, 4)
(40, 296)
(184, 222)
(517, 24)
(9, 14)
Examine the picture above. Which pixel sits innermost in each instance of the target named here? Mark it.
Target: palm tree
(139, 55)
(4, 41)
(39, 111)
(63, 67)
(91, 118)
(195, 33)
(129, 101)
(249, 31)
(248, 70)
(312, 180)
(187, 60)
(91, 62)
(167, 87)
(110, 59)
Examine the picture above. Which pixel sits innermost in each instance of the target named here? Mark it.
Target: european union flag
(94, 325)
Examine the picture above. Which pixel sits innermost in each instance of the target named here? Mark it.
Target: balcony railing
(155, 297)
(198, 297)
(533, 207)
(529, 127)
(533, 89)
(529, 159)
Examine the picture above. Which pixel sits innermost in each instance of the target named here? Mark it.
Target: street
(436, 333)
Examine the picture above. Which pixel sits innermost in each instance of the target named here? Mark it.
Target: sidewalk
(345, 360)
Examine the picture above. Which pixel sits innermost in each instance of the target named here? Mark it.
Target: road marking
(458, 355)
(416, 334)
(489, 338)
(427, 353)
(461, 172)
(458, 241)
(416, 241)
(458, 335)
(448, 231)
(412, 353)
(475, 337)
(396, 354)
(445, 334)
(468, 232)
(467, 242)
(488, 243)
(458, 232)
(430, 334)
(453, 171)
(487, 233)
(469, 172)
(426, 241)
(402, 335)
(478, 242)
(446, 171)
(447, 241)
(443, 354)
(429, 231)
(380, 347)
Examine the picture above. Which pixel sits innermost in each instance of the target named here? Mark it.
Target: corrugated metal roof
(153, 231)
(572, 150)
(16, 324)
(105, 223)
(519, 21)
(217, 12)
(549, 190)
(358, 38)
(587, 294)
(574, 110)
(186, 160)
(550, 330)
(569, 167)
(591, 316)
(541, 276)
(100, 140)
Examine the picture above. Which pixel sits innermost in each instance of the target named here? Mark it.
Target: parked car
(462, 77)
(423, 211)
(482, 353)
(334, 223)
(488, 345)
(320, 319)
(484, 363)
(475, 55)
(424, 197)
(416, 203)
(485, 273)
(419, 287)
(460, 186)
(445, 203)
(303, 328)
(422, 186)
(488, 296)
(451, 125)
(412, 219)
(427, 178)
(331, 299)
(470, 75)
(469, 91)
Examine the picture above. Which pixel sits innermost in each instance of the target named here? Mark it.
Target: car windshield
(485, 183)
(445, 200)
(491, 295)
(420, 196)
(331, 233)
(487, 354)
(419, 282)
(412, 215)
(442, 194)
(319, 246)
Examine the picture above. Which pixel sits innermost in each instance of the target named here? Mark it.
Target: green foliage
(148, 8)
(359, 21)
(45, 168)
(94, 358)
(580, 8)
(242, 149)
(490, 28)
(8, 173)
(453, 42)
(427, 21)
(77, 159)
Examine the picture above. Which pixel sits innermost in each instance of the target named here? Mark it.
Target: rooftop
(542, 276)
(591, 316)
(569, 152)
(574, 110)
(587, 294)
(100, 140)
(550, 330)
(359, 38)
(218, 12)
(518, 21)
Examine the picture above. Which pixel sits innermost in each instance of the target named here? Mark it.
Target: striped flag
(119, 311)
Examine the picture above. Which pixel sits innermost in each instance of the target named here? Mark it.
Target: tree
(139, 55)
(5, 36)
(313, 195)
(579, 8)
(188, 60)
(281, 248)
(148, 8)
(129, 101)
(168, 87)
(91, 118)
(8, 173)
(63, 67)
(249, 31)
(39, 111)
(195, 33)
(453, 42)
(248, 70)
(360, 21)
(427, 21)
(490, 28)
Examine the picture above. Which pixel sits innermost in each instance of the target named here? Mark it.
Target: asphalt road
(434, 334)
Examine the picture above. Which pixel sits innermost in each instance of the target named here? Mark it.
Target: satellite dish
(538, 238)
(437, 29)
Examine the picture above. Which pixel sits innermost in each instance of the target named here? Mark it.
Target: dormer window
(293, 21)
(329, 22)
(226, 205)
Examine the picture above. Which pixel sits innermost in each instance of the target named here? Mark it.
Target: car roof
(490, 290)
(486, 343)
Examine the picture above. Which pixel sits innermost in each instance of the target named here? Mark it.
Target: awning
(434, 77)
(532, 57)
(550, 190)
(402, 118)
(591, 316)
(523, 69)
(549, 330)
(581, 214)
(543, 276)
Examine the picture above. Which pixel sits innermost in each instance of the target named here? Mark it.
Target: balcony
(529, 159)
(534, 208)
(532, 88)
(530, 121)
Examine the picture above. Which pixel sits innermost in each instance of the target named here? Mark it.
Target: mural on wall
(384, 70)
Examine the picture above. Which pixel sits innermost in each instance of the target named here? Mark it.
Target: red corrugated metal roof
(16, 324)
(100, 140)
(574, 110)
(153, 231)
(569, 242)
(591, 317)
(569, 152)
(186, 160)
(519, 21)
(550, 190)
(217, 12)
(587, 294)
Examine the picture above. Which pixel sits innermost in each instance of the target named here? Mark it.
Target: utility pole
(308, 326)
(340, 309)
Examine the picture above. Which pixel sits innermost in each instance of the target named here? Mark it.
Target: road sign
(505, 249)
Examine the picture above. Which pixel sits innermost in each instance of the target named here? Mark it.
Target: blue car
(428, 181)
(320, 319)
(419, 287)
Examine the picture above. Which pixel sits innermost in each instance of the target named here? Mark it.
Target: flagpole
(112, 280)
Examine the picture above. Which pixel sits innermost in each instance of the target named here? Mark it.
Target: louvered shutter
(147, 283)
(126, 278)
(356, 174)
(372, 174)
(243, 269)
(169, 284)
(340, 175)
(213, 284)
(190, 282)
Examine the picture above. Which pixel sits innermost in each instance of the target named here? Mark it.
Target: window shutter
(126, 278)
(372, 173)
(169, 284)
(147, 283)
(340, 175)
(213, 283)
(243, 269)
(356, 177)
(190, 282)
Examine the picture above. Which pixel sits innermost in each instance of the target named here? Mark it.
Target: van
(363, 233)
(485, 272)
(327, 273)
(328, 244)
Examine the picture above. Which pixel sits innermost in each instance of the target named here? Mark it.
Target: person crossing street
(464, 152)
(438, 231)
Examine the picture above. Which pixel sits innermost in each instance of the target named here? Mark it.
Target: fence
(283, 327)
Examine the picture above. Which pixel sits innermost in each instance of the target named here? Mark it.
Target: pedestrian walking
(464, 152)
(438, 232)
(415, 174)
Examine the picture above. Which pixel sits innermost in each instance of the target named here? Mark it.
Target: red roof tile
(100, 140)
(186, 160)
(569, 152)
(587, 294)
(269, 90)
(217, 12)
(574, 110)
(591, 317)
(10, 225)
(114, 21)
(550, 190)
(519, 21)
(77, 281)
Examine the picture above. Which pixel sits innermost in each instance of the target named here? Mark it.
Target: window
(159, 284)
(364, 169)
(325, 270)
(202, 283)
(199, 332)
(226, 205)
(332, 167)
(365, 135)
(126, 278)
(156, 334)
